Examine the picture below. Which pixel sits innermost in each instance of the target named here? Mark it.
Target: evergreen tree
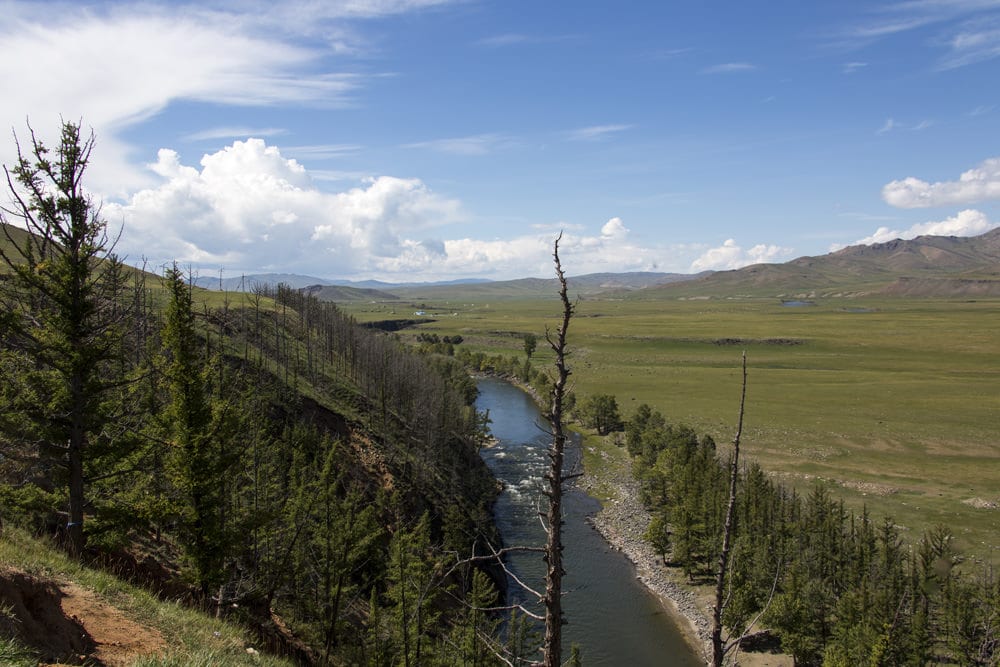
(600, 412)
(198, 430)
(412, 590)
(65, 309)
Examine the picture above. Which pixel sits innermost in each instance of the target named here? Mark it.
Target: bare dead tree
(718, 649)
(551, 518)
(554, 620)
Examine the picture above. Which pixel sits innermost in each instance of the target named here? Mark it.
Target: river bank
(622, 523)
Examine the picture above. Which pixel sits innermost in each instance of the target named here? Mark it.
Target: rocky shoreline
(622, 522)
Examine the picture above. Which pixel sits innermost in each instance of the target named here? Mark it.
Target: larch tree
(64, 312)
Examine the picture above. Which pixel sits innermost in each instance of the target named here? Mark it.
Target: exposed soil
(70, 625)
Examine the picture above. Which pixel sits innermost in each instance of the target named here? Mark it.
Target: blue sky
(441, 139)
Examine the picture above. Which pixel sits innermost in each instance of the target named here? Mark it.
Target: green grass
(895, 401)
(192, 637)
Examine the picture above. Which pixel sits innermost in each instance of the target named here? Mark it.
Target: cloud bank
(977, 184)
(247, 208)
(731, 256)
(965, 223)
(152, 55)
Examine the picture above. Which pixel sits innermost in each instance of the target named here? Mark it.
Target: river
(611, 616)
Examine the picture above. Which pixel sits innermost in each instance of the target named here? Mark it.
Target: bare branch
(727, 532)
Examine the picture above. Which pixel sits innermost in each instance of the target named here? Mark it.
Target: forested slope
(257, 455)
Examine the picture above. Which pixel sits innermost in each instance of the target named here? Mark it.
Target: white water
(610, 615)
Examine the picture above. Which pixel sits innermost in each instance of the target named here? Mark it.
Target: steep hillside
(323, 450)
(344, 294)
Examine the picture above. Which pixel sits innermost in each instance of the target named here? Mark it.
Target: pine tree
(65, 309)
(198, 429)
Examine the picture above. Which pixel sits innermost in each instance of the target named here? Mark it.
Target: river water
(611, 616)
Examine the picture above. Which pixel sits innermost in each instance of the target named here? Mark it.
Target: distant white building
(420, 313)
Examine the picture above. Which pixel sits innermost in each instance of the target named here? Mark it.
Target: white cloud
(968, 30)
(731, 256)
(852, 67)
(234, 133)
(250, 207)
(974, 42)
(614, 228)
(964, 223)
(479, 144)
(977, 184)
(116, 65)
(322, 151)
(892, 124)
(505, 39)
(595, 132)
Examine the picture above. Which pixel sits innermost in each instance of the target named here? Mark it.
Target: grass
(194, 638)
(896, 403)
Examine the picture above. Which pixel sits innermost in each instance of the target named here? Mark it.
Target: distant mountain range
(945, 266)
(374, 290)
(246, 282)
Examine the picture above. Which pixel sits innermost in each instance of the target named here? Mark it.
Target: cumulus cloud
(249, 206)
(731, 256)
(614, 228)
(977, 184)
(965, 223)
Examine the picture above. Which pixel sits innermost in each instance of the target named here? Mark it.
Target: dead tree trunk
(552, 646)
(718, 650)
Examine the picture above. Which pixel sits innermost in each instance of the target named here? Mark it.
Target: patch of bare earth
(69, 625)
(117, 638)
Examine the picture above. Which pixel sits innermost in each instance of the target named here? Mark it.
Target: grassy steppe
(896, 402)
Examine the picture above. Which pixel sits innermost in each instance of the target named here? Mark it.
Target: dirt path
(68, 624)
(117, 639)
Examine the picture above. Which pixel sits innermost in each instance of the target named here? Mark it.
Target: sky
(425, 140)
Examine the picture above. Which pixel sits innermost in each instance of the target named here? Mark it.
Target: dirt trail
(68, 624)
(117, 638)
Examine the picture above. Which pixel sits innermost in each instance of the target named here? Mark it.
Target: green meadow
(894, 403)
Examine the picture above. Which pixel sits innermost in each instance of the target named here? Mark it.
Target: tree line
(280, 456)
(836, 587)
